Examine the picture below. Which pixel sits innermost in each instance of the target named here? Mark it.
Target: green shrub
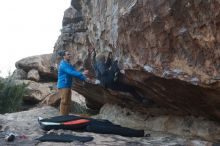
(11, 95)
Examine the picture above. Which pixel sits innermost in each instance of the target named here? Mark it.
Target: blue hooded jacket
(65, 73)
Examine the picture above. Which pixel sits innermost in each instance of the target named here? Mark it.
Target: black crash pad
(64, 138)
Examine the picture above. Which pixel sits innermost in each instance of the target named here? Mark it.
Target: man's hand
(91, 81)
(88, 80)
(85, 72)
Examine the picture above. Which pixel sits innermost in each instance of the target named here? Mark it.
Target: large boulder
(52, 100)
(168, 54)
(41, 63)
(168, 50)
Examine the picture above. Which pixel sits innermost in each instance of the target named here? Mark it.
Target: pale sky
(28, 28)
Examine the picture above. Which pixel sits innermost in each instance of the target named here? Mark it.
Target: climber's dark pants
(65, 95)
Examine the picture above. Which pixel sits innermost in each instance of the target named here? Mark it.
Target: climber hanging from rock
(107, 72)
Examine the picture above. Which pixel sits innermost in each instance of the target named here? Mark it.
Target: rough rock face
(33, 75)
(168, 49)
(78, 104)
(19, 74)
(176, 38)
(184, 126)
(37, 91)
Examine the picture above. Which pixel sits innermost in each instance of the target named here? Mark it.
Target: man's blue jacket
(65, 73)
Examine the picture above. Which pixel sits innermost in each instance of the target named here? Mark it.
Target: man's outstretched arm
(73, 72)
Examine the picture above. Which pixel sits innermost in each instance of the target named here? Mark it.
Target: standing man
(65, 73)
